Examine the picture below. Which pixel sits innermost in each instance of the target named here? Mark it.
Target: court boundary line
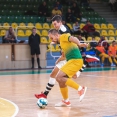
(16, 107)
(43, 72)
(95, 76)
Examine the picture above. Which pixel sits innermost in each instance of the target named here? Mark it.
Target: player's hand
(86, 45)
(56, 62)
(74, 76)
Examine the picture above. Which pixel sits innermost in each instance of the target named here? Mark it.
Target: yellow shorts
(72, 66)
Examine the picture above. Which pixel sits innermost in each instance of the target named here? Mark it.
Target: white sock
(79, 88)
(52, 80)
(50, 84)
(67, 100)
(78, 74)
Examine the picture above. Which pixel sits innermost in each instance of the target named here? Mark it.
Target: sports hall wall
(17, 56)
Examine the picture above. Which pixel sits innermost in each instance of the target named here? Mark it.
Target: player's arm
(76, 41)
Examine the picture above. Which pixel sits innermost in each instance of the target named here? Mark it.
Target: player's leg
(65, 101)
(110, 60)
(50, 84)
(37, 50)
(115, 61)
(38, 61)
(81, 70)
(84, 65)
(69, 69)
(103, 56)
(52, 80)
(32, 55)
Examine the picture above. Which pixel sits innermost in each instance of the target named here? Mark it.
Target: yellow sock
(72, 84)
(64, 92)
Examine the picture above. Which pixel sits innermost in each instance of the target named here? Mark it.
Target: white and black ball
(42, 102)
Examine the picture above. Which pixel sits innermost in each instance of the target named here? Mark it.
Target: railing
(21, 27)
(51, 53)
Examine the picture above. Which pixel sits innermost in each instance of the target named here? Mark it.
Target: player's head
(53, 34)
(88, 22)
(10, 29)
(57, 21)
(99, 44)
(34, 30)
(113, 43)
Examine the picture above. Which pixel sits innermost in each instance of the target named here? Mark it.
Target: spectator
(93, 44)
(71, 2)
(56, 11)
(76, 28)
(80, 39)
(82, 49)
(58, 5)
(116, 46)
(84, 3)
(104, 43)
(76, 11)
(89, 30)
(69, 16)
(43, 10)
(113, 52)
(100, 50)
(115, 6)
(34, 41)
(112, 5)
(10, 36)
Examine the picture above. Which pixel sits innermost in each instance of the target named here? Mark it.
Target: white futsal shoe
(63, 104)
(82, 93)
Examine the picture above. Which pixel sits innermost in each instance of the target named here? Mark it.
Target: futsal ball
(42, 102)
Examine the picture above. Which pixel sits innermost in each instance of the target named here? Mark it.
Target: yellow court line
(8, 108)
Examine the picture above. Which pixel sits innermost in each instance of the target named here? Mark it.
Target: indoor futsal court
(39, 35)
(17, 89)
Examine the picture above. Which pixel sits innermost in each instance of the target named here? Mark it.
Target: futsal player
(57, 22)
(112, 52)
(69, 45)
(59, 63)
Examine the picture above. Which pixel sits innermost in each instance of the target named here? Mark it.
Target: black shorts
(35, 51)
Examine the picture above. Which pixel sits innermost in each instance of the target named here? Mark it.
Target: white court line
(2, 103)
(98, 76)
(16, 107)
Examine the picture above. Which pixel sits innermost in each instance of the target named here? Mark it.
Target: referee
(34, 41)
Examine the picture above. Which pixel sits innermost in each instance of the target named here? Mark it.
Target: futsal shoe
(42, 95)
(63, 104)
(39, 67)
(113, 65)
(82, 93)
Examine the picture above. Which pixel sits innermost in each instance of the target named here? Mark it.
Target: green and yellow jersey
(70, 49)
